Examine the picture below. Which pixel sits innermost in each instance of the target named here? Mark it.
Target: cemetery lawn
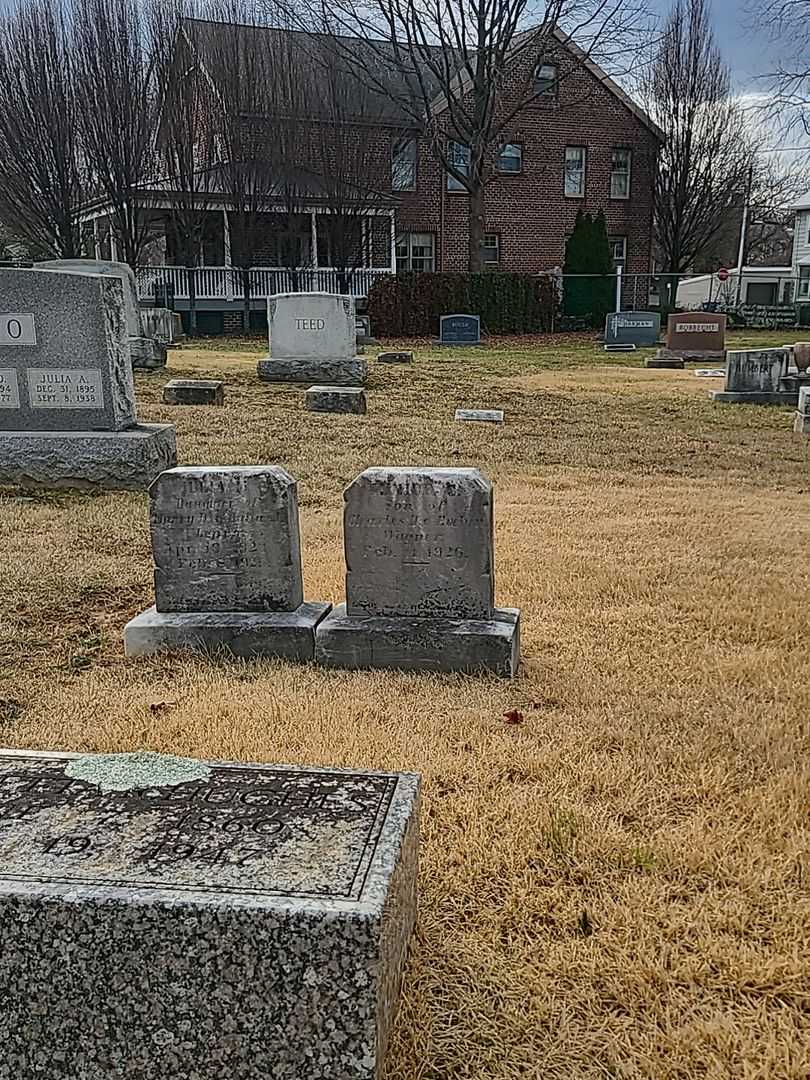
(613, 885)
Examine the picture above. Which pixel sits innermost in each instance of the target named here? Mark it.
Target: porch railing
(227, 283)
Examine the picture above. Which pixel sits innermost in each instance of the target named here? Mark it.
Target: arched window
(546, 81)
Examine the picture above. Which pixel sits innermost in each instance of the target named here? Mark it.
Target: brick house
(583, 143)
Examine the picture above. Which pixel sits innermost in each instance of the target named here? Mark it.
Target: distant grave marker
(460, 330)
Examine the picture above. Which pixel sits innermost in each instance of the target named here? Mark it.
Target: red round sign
(722, 274)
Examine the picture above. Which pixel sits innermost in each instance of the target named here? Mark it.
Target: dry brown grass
(618, 887)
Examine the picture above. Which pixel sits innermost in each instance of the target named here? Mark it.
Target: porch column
(393, 242)
(226, 240)
(96, 240)
(314, 240)
(113, 245)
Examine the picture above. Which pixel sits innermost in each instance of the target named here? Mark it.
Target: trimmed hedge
(409, 305)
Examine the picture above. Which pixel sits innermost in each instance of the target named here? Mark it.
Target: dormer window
(545, 81)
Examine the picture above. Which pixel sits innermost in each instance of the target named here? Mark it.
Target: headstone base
(288, 635)
(756, 397)
(147, 354)
(127, 460)
(336, 399)
(403, 357)
(328, 372)
(411, 644)
(690, 356)
(194, 392)
(669, 362)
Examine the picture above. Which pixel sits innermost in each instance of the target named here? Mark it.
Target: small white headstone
(490, 416)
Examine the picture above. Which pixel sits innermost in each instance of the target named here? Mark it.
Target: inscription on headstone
(226, 539)
(419, 543)
(640, 328)
(696, 332)
(246, 830)
(9, 389)
(311, 325)
(460, 330)
(17, 330)
(65, 388)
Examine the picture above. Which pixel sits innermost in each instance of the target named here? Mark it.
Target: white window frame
(405, 245)
(613, 241)
(401, 161)
(581, 171)
(514, 157)
(624, 175)
(549, 93)
(488, 247)
(804, 282)
(461, 165)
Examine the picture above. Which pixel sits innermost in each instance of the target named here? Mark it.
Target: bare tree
(40, 174)
(462, 72)
(117, 95)
(704, 166)
(787, 24)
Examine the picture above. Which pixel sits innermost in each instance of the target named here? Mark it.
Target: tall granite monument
(227, 556)
(145, 351)
(169, 918)
(313, 339)
(67, 398)
(420, 577)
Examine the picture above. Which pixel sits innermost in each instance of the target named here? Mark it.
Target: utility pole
(744, 233)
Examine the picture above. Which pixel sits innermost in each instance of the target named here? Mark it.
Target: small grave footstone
(403, 357)
(336, 399)
(756, 377)
(194, 392)
(145, 350)
(488, 416)
(227, 554)
(675, 363)
(459, 330)
(202, 919)
(639, 329)
(312, 340)
(420, 577)
(67, 397)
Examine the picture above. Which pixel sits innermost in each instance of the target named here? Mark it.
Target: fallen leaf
(514, 716)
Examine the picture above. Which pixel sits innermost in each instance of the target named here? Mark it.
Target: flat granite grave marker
(227, 557)
(489, 416)
(639, 328)
(313, 340)
(144, 350)
(194, 392)
(336, 399)
(419, 577)
(67, 397)
(460, 330)
(170, 918)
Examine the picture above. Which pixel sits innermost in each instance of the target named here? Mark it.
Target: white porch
(226, 284)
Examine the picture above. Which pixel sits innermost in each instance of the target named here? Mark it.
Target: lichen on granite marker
(143, 769)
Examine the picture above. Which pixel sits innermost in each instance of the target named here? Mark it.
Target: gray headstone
(419, 542)
(64, 358)
(194, 392)
(226, 538)
(201, 919)
(489, 416)
(804, 400)
(460, 330)
(403, 357)
(757, 370)
(311, 325)
(122, 271)
(336, 399)
(640, 328)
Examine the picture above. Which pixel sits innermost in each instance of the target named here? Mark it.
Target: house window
(459, 156)
(491, 249)
(415, 251)
(575, 171)
(620, 174)
(804, 282)
(510, 158)
(545, 82)
(618, 251)
(403, 164)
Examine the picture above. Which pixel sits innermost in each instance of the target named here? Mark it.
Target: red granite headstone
(696, 332)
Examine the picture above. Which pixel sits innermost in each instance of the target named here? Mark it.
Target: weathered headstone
(460, 330)
(165, 326)
(489, 416)
(420, 577)
(693, 336)
(801, 423)
(757, 377)
(639, 328)
(67, 398)
(227, 557)
(403, 357)
(336, 399)
(194, 392)
(145, 351)
(363, 331)
(312, 340)
(201, 919)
